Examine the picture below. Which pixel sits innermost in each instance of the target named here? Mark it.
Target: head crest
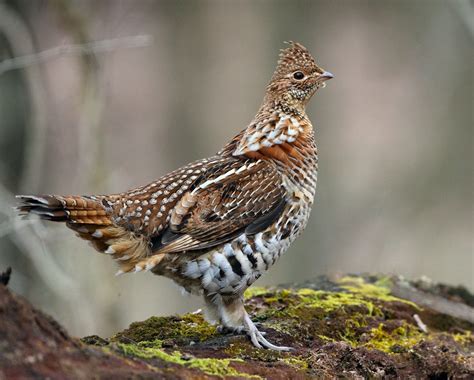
(295, 57)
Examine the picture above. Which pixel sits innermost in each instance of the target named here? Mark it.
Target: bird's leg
(233, 316)
(213, 314)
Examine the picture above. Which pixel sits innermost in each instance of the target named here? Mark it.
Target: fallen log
(354, 326)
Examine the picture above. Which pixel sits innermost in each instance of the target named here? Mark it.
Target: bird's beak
(325, 76)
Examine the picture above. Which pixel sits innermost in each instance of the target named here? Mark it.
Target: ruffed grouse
(215, 225)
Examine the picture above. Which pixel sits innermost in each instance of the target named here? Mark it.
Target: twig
(420, 323)
(94, 47)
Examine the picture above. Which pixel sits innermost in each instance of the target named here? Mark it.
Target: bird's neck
(279, 132)
(284, 103)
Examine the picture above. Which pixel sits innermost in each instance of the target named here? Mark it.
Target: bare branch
(94, 47)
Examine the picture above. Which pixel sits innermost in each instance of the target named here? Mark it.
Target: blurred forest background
(171, 81)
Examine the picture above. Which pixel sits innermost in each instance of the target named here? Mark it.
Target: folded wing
(246, 197)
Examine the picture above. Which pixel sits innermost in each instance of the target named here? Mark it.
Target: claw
(257, 337)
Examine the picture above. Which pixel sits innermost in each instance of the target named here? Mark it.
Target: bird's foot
(257, 337)
(239, 330)
(231, 330)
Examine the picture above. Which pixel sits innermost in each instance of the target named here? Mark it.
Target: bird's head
(296, 78)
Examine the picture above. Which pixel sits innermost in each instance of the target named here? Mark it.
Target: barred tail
(88, 218)
(71, 209)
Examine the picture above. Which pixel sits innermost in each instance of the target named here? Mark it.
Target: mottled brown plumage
(215, 225)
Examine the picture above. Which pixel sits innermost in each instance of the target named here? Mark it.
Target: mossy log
(349, 327)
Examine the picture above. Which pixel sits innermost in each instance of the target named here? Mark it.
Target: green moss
(352, 314)
(329, 301)
(244, 351)
(94, 340)
(237, 350)
(326, 338)
(464, 338)
(187, 327)
(297, 362)
(308, 303)
(153, 350)
(148, 350)
(396, 340)
(357, 292)
(256, 291)
(379, 290)
(219, 367)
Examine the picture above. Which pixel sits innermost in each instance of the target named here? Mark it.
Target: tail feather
(71, 209)
(88, 218)
(46, 207)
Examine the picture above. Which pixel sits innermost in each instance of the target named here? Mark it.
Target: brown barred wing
(147, 210)
(243, 196)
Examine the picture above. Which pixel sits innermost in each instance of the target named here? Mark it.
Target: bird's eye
(298, 75)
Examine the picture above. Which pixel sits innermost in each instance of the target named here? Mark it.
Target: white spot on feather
(241, 169)
(150, 266)
(292, 132)
(97, 234)
(206, 184)
(254, 147)
(225, 175)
